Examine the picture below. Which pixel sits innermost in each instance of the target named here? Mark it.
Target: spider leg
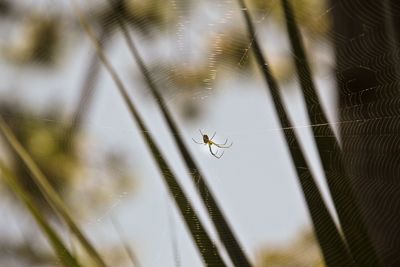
(226, 141)
(213, 135)
(214, 154)
(197, 142)
(201, 132)
(224, 144)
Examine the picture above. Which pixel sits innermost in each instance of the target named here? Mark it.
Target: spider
(208, 141)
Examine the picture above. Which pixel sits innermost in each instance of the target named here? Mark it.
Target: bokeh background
(65, 110)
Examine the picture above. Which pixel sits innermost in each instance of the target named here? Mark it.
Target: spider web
(201, 60)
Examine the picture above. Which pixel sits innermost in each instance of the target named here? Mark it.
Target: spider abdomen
(206, 139)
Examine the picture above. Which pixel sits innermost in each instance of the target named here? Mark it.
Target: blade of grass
(128, 250)
(206, 247)
(87, 89)
(173, 237)
(224, 231)
(330, 153)
(48, 191)
(62, 252)
(333, 247)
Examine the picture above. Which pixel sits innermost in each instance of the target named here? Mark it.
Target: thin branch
(87, 89)
(131, 254)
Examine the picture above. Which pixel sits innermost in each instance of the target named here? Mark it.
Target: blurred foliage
(310, 14)
(38, 41)
(29, 253)
(227, 52)
(63, 159)
(43, 139)
(26, 254)
(143, 16)
(230, 50)
(40, 37)
(302, 252)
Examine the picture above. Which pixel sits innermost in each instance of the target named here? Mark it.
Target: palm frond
(332, 245)
(349, 214)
